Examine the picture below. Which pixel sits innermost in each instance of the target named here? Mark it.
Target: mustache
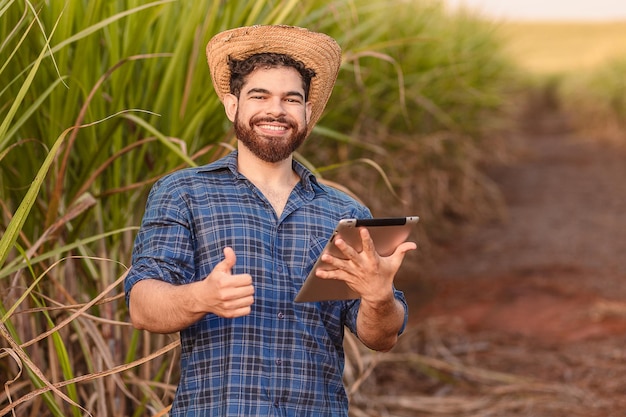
(267, 119)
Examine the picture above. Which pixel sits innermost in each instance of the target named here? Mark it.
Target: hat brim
(317, 51)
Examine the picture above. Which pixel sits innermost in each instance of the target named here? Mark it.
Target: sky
(578, 10)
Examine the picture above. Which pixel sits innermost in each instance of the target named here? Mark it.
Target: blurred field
(560, 47)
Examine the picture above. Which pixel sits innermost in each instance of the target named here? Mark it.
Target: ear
(307, 111)
(231, 102)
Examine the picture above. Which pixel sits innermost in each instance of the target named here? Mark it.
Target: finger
(240, 312)
(366, 241)
(235, 307)
(401, 251)
(226, 265)
(332, 262)
(347, 250)
(241, 281)
(336, 273)
(239, 300)
(406, 247)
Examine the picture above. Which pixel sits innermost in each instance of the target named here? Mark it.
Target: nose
(275, 107)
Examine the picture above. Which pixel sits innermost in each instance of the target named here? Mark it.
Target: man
(223, 249)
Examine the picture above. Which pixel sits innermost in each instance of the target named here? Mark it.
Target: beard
(266, 147)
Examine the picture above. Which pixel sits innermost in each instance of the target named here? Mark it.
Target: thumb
(400, 253)
(226, 265)
(403, 248)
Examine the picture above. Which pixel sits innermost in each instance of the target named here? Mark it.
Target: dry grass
(433, 372)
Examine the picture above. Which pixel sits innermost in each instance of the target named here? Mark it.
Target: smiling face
(270, 115)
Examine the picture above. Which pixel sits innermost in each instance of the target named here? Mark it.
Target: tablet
(387, 234)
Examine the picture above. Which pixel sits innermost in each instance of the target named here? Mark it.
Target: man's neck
(273, 174)
(274, 180)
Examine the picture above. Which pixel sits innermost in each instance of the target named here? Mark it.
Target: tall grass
(98, 99)
(423, 94)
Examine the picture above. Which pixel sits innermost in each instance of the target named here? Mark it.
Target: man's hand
(366, 272)
(161, 307)
(225, 294)
(380, 315)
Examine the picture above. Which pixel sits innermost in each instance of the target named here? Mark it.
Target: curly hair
(240, 69)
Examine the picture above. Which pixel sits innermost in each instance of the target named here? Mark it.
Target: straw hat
(317, 51)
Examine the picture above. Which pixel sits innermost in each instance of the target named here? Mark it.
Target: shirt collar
(308, 179)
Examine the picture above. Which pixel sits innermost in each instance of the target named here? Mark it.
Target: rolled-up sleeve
(163, 247)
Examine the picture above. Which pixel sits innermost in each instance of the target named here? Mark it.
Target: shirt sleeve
(164, 245)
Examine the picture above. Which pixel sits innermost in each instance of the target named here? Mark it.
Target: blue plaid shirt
(284, 358)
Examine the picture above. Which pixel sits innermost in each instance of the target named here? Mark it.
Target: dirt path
(544, 293)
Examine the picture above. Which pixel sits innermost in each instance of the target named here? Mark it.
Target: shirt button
(279, 362)
(279, 268)
(281, 315)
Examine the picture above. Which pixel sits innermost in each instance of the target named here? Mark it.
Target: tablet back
(387, 234)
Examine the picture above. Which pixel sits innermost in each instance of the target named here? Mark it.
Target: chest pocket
(314, 247)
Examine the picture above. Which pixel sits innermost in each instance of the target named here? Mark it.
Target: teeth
(271, 127)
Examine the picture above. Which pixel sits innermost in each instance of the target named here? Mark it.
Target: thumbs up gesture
(228, 295)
